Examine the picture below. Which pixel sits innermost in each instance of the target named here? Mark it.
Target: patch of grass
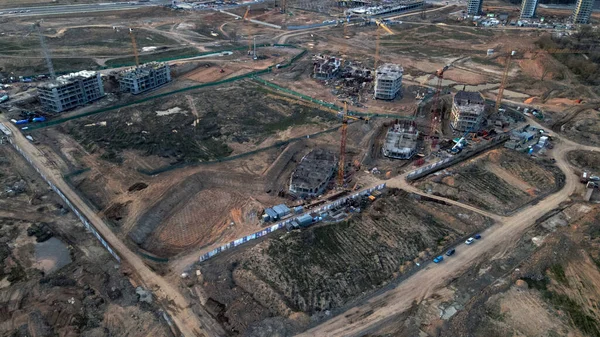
(559, 274)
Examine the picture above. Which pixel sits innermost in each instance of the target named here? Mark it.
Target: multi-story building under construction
(528, 8)
(582, 12)
(72, 90)
(145, 77)
(467, 107)
(388, 81)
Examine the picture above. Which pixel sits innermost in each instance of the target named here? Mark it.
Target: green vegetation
(586, 63)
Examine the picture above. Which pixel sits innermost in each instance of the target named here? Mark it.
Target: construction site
(293, 167)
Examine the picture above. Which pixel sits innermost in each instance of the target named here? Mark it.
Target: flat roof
(314, 169)
(389, 71)
(68, 78)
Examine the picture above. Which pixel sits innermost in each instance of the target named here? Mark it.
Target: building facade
(467, 111)
(145, 77)
(474, 7)
(388, 81)
(70, 91)
(582, 12)
(528, 8)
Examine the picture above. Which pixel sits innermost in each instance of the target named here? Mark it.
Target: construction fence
(81, 217)
(282, 224)
(447, 162)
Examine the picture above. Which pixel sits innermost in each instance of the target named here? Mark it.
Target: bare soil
(500, 181)
(88, 296)
(323, 268)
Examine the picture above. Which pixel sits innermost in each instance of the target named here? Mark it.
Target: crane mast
(134, 45)
(45, 51)
(503, 83)
(344, 132)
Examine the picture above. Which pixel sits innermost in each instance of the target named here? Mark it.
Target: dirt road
(496, 240)
(188, 322)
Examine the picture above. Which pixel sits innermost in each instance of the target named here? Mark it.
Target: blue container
(22, 121)
(39, 119)
(272, 214)
(304, 220)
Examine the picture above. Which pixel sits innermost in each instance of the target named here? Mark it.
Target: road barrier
(81, 217)
(282, 224)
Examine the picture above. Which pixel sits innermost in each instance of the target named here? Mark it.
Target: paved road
(68, 9)
(498, 239)
(188, 322)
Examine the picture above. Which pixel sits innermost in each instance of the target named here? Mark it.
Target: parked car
(469, 241)
(451, 252)
(477, 236)
(438, 259)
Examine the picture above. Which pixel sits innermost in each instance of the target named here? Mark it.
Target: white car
(469, 241)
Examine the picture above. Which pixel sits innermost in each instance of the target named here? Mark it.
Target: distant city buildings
(388, 81)
(145, 77)
(582, 12)
(528, 8)
(70, 91)
(474, 7)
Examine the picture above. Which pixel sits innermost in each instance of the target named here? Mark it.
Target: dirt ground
(55, 278)
(316, 270)
(528, 291)
(202, 124)
(586, 161)
(500, 181)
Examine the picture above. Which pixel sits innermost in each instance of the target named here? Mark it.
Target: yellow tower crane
(380, 25)
(134, 45)
(503, 82)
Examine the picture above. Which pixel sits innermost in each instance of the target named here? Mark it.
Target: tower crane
(380, 25)
(503, 82)
(45, 51)
(135, 50)
(436, 115)
(344, 134)
(249, 33)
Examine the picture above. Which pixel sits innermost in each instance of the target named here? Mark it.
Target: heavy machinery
(503, 82)
(135, 50)
(380, 25)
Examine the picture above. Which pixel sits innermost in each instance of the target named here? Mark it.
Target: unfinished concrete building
(582, 12)
(388, 81)
(467, 108)
(326, 67)
(474, 7)
(352, 3)
(528, 8)
(401, 141)
(70, 91)
(313, 173)
(145, 77)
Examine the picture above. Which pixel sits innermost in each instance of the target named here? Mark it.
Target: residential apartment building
(528, 8)
(70, 91)
(474, 7)
(145, 77)
(467, 111)
(582, 12)
(388, 81)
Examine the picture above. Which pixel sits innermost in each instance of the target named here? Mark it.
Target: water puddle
(51, 255)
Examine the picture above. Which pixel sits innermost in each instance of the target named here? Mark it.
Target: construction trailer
(388, 81)
(467, 107)
(70, 91)
(401, 141)
(313, 173)
(145, 77)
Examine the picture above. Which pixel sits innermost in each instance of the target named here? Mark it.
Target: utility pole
(45, 51)
(254, 57)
